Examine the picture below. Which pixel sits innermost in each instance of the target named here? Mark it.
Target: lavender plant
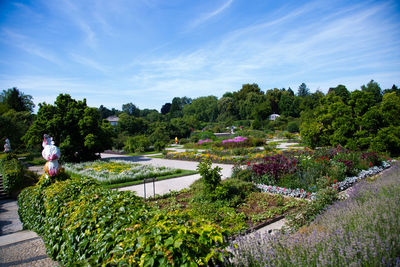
(362, 230)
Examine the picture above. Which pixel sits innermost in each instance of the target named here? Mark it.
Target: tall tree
(203, 108)
(166, 108)
(131, 109)
(77, 129)
(303, 90)
(373, 88)
(17, 100)
(341, 91)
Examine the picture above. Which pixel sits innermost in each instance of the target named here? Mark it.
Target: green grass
(181, 174)
(157, 156)
(142, 153)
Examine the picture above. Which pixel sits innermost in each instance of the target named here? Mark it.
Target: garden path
(19, 247)
(165, 186)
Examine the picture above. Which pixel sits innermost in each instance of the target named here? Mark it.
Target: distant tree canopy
(15, 116)
(362, 119)
(17, 100)
(367, 118)
(75, 128)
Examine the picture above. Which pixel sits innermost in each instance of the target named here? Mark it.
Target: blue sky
(149, 51)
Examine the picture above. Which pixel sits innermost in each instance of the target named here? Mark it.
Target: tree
(131, 109)
(341, 91)
(274, 96)
(303, 90)
(246, 106)
(289, 104)
(14, 125)
(226, 109)
(131, 125)
(17, 100)
(373, 88)
(178, 103)
(74, 126)
(390, 108)
(165, 108)
(203, 108)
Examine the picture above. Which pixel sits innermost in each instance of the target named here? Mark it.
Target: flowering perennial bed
(193, 156)
(340, 186)
(359, 231)
(118, 171)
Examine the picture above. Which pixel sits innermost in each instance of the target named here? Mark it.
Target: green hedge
(83, 223)
(15, 175)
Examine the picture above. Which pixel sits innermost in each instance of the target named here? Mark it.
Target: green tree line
(367, 118)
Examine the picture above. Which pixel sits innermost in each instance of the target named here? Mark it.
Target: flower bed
(339, 186)
(193, 156)
(118, 171)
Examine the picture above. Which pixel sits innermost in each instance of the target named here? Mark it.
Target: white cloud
(26, 44)
(207, 16)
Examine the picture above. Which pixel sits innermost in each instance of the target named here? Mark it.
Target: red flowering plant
(275, 166)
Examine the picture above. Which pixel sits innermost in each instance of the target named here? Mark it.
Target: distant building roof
(273, 117)
(113, 120)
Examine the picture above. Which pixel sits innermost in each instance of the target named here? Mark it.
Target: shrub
(293, 127)
(15, 175)
(159, 146)
(139, 143)
(82, 223)
(211, 177)
(275, 166)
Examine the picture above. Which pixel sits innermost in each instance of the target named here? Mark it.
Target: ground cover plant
(362, 230)
(118, 171)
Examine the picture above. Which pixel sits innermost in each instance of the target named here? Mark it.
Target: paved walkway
(165, 186)
(19, 247)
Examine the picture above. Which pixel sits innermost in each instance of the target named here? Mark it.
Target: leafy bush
(159, 146)
(139, 143)
(293, 127)
(211, 177)
(275, 166)
(82, 223)
(15, 175)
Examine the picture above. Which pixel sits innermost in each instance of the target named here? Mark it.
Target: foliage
(293, 127)
(15, 175)
(75, 127)
(82, 223)
(210, 176)
(360, 120)
(361, 230)
(139, 143)
(17, 100)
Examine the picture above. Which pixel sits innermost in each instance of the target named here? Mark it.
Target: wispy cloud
(348, 41)
(26, 44)
(207, 16)
(90, 63)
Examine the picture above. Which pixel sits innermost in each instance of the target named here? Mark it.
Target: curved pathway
(165, 186)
